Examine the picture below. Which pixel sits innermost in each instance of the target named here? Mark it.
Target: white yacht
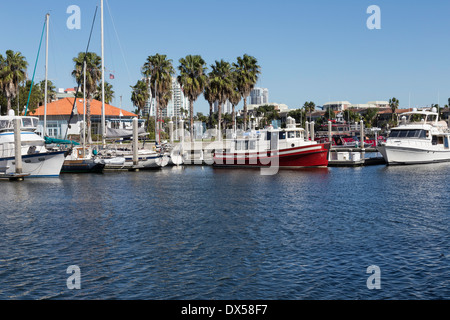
(37, 161)
(419, 138)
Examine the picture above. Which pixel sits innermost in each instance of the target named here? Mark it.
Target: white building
(259, 96)
(371, 104)
(227, 107)
(337, 105)
(175, 104)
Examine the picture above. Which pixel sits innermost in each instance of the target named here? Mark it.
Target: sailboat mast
(84, 109)
(103, 81)
(47, 18)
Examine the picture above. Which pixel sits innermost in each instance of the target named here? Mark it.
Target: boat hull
(400, 155)
(82, 166)
(315, 155)
(48, 164)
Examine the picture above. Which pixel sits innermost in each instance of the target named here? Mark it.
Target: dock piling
(135, 142)
(18, 146)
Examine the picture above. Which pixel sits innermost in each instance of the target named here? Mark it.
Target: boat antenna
(35, 65)
(79, 81)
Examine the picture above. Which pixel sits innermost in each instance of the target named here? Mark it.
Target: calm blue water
(204, 233)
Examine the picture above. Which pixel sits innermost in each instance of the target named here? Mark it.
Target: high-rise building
(259, 96)
(175, 104)
(227, 107)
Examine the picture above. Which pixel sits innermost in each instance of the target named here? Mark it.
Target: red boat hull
(305, 156)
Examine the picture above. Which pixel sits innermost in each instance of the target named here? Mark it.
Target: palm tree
(109, 93)
(193, 80)
(93, 76)
(13, 70)
(309, 107)
(248, 70)
(393, 103)
(51, 91)
(210, 95)
(159, 71)
(234, 98)
(140, 95)
(221, 81)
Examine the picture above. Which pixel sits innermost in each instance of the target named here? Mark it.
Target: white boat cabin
(421, 127)
(268, 139)
(31, 142)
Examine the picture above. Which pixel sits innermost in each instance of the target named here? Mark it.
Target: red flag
(111, 76)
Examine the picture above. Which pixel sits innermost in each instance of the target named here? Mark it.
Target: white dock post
(363, 151)
(18, 145)
(312, 130)
(135, 142)
(329, 132)
(306, 130)
(182, 135)
(171, 131)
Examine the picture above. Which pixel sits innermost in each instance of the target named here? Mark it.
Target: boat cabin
(27, 123)
(421, 126)
(268, 140)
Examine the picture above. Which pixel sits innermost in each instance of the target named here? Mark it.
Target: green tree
(234, 97)
(268, 113)
(109, 93)
(159, 71)
(193, 80)
(36, 98)
(393, 104)
(211, 96)
(221, 82)
(201, 117)
(299, 116)
(51, 91)
(370, 116)
(309, 108)
(350, 115)
(13, 70)
(93, 76)
(140, 95)
(248, 72)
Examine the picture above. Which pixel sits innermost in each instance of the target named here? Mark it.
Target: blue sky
(317, 50)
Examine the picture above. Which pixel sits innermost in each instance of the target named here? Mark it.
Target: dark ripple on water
(203, 233)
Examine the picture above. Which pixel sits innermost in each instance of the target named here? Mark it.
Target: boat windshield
(420, 117)
(29, 122)
(5, 124)
(408, 134)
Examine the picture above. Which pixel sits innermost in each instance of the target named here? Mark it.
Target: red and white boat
(286, 148)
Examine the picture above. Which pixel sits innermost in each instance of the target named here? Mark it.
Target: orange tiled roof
(64, 106)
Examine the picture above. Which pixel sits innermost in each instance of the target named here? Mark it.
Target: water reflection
(204, 233)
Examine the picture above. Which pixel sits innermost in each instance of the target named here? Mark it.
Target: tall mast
(103, 81)
(84, 109)
(47, 18)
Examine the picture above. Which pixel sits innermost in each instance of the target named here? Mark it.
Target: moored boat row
(420, 138)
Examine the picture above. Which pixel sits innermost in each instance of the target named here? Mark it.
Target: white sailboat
(123, 159)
